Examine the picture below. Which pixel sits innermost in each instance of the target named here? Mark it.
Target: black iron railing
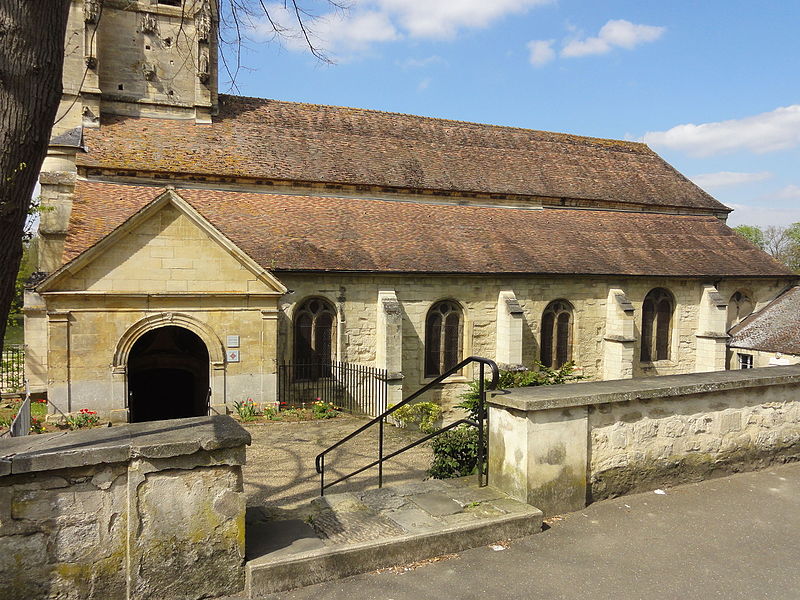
(353, 388)
(12, 368)
(480, 423)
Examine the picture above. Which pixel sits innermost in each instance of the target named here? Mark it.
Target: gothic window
(656, 325)
(443, 337)
(556, 347)
(314, 332)
(739, 307)
(170, 2)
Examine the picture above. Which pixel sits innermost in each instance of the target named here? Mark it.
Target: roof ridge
(573, 136)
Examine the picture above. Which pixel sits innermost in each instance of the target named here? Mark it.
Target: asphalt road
(734, 537)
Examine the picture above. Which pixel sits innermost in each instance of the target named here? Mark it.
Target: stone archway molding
(216, 355)
(216, 352)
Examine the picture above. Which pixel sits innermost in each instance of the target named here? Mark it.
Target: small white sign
(233, 341)
(233, 356)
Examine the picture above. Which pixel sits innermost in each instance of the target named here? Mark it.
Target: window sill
(657, 363)
(451, 379)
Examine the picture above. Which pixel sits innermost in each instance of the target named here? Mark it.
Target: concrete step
(347, 534)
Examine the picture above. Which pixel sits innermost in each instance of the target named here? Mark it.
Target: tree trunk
(31, 61)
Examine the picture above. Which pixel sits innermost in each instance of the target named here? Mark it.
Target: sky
(713, 86)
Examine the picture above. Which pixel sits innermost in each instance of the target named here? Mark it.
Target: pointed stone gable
(166, 253)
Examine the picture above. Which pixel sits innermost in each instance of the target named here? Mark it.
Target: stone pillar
(119, 412)
(711, 338)
(35, 341)
(389, 343)
(540, 457)
(510, 320)
(269, 356)
(619, 340)
(58, 358)
(57, 181)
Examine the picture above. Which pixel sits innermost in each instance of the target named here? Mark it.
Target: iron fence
(352, 387)
(12, 368)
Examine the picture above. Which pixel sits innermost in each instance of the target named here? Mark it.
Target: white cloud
(727, 178)
(343, 32)
(374, 21)
(790, 192)
(421, 63)
(443, 18)
(616, 33)
(761, 217)
(424, 84)
(541, 52)
(767, 132)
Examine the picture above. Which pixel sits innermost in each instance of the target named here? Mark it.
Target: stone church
(193, 242)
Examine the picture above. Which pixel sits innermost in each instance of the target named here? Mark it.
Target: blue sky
(713, 86)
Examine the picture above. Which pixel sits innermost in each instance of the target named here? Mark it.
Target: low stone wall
(148, 510)
(561, 447)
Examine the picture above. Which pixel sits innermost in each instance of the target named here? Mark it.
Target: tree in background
(783, 243)
(31, 65)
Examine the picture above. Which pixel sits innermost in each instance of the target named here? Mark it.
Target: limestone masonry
(194, 242)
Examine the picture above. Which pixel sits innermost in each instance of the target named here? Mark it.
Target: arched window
(443, 337)
(556, 347)
(314, 332)
(739, 308)
(656, 324)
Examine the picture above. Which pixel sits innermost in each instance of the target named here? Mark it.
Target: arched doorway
(168, 375)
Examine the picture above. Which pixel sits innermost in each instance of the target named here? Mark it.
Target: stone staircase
(339, 535)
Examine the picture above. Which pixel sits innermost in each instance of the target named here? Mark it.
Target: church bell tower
(149, 58)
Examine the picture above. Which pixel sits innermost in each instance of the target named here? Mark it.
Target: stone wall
(563, 446)
(356, 300)
(148, 511)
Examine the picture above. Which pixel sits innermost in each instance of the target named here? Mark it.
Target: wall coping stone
(151, 440)
(625, 390)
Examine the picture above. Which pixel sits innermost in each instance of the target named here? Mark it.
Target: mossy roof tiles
(297, 232)
(275, 140)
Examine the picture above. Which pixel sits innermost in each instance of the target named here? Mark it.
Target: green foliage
(538, 375)
(423, 414)
(455, 453)
(324, 410)
(752, 234)
(26, 268)
(247, 410)
(783, 243)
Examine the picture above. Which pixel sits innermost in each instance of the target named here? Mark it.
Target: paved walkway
(734, 538)
(280, 461)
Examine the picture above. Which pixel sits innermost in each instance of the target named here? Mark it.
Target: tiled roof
(775, 328)
(287, 141)
(295, 232)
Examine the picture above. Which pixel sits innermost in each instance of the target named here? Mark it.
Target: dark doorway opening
(168, 376)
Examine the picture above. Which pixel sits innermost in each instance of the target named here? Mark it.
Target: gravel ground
(280, 462)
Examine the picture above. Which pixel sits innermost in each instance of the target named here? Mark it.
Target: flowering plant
(324, 410)
(84, 419)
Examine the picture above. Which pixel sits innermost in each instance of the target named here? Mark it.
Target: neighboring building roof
(286, 141)
(775, 328)
(298, 233)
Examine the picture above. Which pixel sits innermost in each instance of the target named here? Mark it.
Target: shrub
(455, 453)
(422, 414)
(247, 409)
(538, 375)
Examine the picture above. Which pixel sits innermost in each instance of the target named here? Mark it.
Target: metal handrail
(319, 461)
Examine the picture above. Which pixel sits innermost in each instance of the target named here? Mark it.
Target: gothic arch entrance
(168, 375)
